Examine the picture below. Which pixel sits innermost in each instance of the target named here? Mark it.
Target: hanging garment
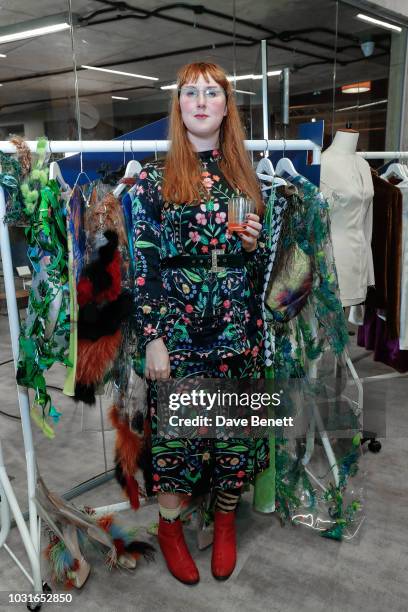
(104, 304)
(44, 336)
(386, 246)
(76, 254)
(211, 323)
(403, 336)
(373, 335)
(348, 188)
(305, 346)
(10, 180)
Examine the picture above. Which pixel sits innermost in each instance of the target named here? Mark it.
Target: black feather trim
(119, 475)
(84, 393)
(107, 251)
(137, 422)
(96, 271)
(95, 321)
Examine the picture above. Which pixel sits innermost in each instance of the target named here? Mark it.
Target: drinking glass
(238, 208)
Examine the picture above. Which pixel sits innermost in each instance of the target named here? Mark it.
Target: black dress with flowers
(210, 322)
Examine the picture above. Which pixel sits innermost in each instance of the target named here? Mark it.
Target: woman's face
(202, 114)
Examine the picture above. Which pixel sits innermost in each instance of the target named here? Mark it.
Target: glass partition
(127, 56)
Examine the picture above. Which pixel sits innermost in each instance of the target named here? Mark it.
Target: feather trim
(95, 358)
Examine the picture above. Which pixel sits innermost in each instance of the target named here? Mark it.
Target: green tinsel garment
(44, 336)
(302, 347)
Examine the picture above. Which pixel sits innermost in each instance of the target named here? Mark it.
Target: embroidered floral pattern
(222, 308)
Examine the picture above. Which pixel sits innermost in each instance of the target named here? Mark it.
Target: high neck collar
(209, 156)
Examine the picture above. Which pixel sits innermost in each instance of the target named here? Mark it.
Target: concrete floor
(279, 569)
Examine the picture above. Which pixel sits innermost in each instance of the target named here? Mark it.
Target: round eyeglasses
(210, 93)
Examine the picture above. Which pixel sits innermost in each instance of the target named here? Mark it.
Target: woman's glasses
(210, 93)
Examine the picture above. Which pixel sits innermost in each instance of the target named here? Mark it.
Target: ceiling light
(3, 55)
(129, 74)
(119, 98)
(251, 93)
(254, 77)
(174, 86)
(381, 24)
(35, 27)
(241, 77)
(358, 106)
(355, 88)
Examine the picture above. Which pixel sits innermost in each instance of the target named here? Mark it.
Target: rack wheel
(35, 607)
(374, 446)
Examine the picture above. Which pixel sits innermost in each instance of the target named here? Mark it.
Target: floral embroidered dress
(196, 311)
(211, 322)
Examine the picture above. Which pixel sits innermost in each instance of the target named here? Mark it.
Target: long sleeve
(150, 296)
(368, 232)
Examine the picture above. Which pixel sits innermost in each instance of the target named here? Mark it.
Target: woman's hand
(250, 236)
(157, 360)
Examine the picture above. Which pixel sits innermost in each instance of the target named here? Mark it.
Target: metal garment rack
(8, 504)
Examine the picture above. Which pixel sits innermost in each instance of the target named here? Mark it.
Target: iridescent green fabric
(309, 347)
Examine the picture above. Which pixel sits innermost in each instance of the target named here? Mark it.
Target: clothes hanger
(266, 172)
(285, 166)
(132, 170)
(396, 169)
(56, 174)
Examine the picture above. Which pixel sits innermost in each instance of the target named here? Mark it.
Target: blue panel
(70, 167)
(306, 131)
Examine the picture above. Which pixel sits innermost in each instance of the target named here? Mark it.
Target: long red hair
(182, 179)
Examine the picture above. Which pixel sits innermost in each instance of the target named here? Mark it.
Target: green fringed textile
(44, 336)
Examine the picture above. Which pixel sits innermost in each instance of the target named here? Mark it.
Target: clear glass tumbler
(238, 208)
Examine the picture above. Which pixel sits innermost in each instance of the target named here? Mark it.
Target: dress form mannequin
(344, 141)
(346, 183)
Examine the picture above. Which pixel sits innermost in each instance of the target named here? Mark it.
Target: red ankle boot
(176, 553)
(224, 552)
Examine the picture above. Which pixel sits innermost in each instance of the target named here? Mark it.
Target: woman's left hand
(250, 236)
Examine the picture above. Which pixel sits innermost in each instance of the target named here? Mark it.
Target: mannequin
(347, 185)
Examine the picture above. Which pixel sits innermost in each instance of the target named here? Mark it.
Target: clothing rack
(31, 536)
(152, 146)
(383, 154)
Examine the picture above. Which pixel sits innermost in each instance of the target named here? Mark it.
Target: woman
(192, 321)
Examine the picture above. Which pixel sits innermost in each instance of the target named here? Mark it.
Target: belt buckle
(214, 260)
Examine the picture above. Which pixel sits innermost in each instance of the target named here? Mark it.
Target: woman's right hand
(157, 360)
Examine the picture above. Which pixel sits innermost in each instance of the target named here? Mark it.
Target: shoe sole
(222, 578)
